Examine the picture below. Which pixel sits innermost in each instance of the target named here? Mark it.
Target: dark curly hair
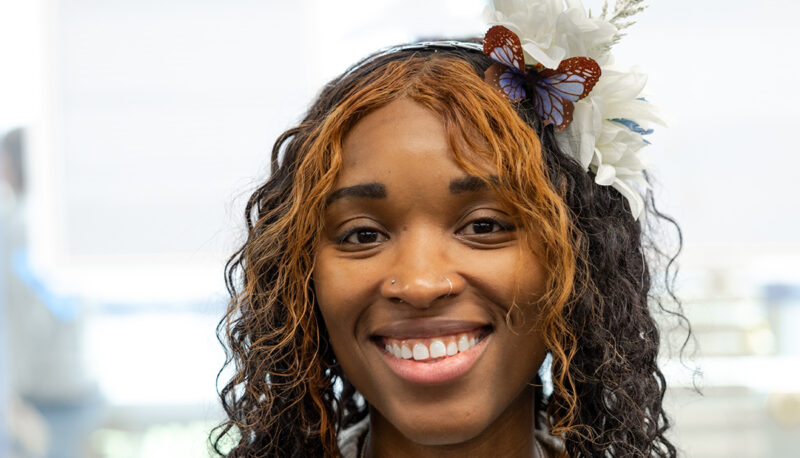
(288, 396)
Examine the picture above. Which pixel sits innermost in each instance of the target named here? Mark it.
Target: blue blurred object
(64, 308)
(780, 292)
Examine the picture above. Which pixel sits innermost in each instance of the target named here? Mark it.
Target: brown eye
(362, 236)
(485, 226)
(365, 236)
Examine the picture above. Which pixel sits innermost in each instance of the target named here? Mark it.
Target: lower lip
(442, 371)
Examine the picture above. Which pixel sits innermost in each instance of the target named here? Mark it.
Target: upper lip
(427, 327)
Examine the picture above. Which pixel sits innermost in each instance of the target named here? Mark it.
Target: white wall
(151, 120)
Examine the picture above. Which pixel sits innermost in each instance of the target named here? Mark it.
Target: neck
(510, 435)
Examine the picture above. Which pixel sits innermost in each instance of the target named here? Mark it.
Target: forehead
(403, 127)
(401, 139)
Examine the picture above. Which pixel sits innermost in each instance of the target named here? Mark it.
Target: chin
(429, 428)
(443, 436)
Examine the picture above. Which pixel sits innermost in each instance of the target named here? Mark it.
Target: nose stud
(394, 281)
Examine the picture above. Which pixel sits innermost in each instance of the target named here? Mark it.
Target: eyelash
(504, 227)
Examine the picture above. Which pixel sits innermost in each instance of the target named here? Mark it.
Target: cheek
(520, 278)
(531, 273)
(510, 275)
(342, 290)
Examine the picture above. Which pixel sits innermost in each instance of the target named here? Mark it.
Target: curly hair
(289, 397)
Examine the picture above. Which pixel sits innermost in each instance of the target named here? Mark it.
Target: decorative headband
(554, 54)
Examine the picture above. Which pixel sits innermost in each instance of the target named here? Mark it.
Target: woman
(421, 246)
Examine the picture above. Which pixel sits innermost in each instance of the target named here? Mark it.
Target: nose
(422, 273)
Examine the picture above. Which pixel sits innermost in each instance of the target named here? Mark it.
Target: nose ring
(450, 293)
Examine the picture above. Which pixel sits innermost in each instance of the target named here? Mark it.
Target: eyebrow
(364, 191)
(470, 183)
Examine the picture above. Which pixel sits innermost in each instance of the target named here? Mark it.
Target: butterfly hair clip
(552, 91)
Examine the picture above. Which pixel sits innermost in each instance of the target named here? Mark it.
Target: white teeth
(421, 352)
(463, 343)
(452, 348)
(438, 349)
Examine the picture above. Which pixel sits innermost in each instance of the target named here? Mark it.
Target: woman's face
(419, 260)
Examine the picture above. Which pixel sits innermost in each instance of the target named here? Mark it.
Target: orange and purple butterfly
(552, 91)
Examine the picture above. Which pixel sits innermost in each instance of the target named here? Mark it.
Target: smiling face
(415, 273)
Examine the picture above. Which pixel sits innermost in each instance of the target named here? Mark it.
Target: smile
(435, 359)
(433, 348)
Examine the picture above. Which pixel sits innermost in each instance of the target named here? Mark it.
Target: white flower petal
(634, 199)
(549, 33)
(550, 57)
(582, 128)
(605, 175)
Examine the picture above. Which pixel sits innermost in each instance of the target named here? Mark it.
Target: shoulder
(553, 446)
(350, 437)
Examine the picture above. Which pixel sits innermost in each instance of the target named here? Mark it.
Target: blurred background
(133, 131)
